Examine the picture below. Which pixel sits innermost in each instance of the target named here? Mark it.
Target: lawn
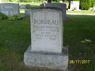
(15, 39)
(77, 30)
(82, 11)
(31, 3)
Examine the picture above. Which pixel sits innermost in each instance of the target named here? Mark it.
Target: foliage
(64, 0)
(33, 0)
(2, 16)
(85, 4)
(76, 0)
(14, 17)
(92, 3)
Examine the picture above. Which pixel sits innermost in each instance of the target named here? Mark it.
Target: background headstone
(93, 8)
(74, 5)
(47, 39)
(28, 10)
(22, 6)
(9, 8)
(44, 3)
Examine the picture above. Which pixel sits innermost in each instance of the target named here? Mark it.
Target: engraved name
(41, 21)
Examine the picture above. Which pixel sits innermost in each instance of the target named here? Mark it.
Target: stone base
(48, 60)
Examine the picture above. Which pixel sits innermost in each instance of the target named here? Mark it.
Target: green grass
(76, 30)
(82, 11)
(15, 39)
(31, 3)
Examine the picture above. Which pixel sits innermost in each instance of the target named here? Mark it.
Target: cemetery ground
(82, 11)
(79, 37)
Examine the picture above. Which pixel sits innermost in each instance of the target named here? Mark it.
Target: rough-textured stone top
(54, 8)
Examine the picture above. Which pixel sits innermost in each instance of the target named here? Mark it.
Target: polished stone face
(46, 30)
(9, 8)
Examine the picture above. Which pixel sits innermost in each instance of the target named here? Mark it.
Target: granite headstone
(9, 8)
(47, 39)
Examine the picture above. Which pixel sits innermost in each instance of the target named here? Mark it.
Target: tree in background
(49, 1)
(85, 4)
(92, 3)
(76, 0)
(31, 0)
(55, 0)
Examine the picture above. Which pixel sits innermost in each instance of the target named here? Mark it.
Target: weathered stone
(46, 48)
(9, 8)
(28, 6)
(48, 60)
(47, 25)
(22, 6)
(27, 12)
(56, 5)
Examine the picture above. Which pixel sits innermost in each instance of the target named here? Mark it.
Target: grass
(31, 3)
(76, 30)
(15, 38)
(82, 11)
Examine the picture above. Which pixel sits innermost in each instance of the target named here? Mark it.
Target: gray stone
(74, 5)
(27, 12)
(47, 25)
(57, 5)
(46, 48)
(23, 16)
(48, 60)
(22, 6)
(28, 6)
(9, 8)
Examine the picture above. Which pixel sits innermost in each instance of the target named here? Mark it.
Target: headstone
(28, 10)
(22, 6)
(28, 6)
(9, 8)
(74, 5)
(46, 49)
(57, 5)
(44, 3)
(93, 8)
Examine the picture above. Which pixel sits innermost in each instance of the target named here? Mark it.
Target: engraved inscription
(40, 21)
(46, 27)
(43, 31)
